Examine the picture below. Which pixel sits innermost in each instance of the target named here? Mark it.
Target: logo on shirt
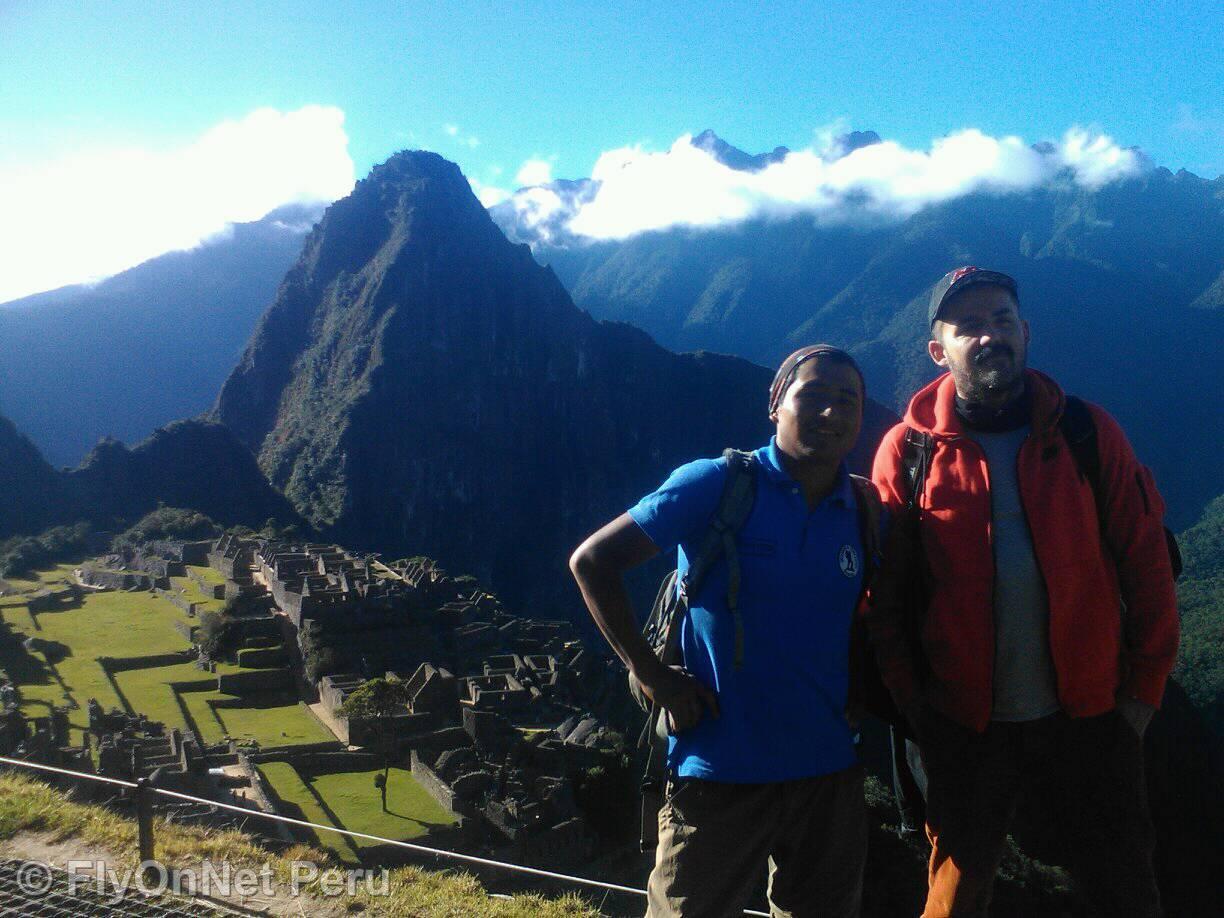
(848, 561)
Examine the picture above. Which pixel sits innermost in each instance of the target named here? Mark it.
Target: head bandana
(790, 367)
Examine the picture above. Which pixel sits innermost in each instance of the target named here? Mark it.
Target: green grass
(27, 805)
(209, 727)
(270, 720)
(149, 692)
(36, 580)
(191, 592)
(207, 574)
(123, 625)
(116, 624)
(349, 800)
(411, 811)
(290, 788)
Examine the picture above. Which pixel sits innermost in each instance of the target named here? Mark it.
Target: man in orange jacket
(1050, 624)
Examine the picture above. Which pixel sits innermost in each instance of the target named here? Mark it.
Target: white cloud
(1095, 159)
(537, 206)
(685, 186)
(99, 212)
(534, 171)
(489, 195)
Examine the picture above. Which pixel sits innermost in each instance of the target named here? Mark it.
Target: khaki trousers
(715, 839)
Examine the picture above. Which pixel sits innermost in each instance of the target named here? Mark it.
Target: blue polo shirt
(783, 713)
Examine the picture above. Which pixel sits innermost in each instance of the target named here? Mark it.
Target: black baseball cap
(954, 282)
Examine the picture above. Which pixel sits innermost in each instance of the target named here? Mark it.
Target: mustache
(992, 350)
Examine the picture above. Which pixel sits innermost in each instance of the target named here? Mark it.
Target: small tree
(378, 699)
(318, 659)
(214, 633)
(318, 662)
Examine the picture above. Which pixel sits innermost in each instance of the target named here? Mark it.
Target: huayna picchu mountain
(422, 385)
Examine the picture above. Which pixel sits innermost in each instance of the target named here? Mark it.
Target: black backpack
(1079, 430)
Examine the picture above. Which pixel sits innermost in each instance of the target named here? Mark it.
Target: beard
(991, 373)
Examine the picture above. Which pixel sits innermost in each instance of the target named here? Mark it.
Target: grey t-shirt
(1025, 686)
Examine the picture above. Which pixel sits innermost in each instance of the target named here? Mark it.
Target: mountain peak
(409, 164)
(845, 144)
(422, 385)
(733, 157)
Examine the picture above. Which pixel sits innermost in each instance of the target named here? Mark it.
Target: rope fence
(145, 830)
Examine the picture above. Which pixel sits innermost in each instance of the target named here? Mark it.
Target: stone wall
(437, 788)
(262, 796)
(334, 689)
(116, 580)
(260, 680)
(261, 657)
(118, 665)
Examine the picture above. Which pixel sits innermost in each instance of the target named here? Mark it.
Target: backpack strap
(867, 690)
(734, 506)
(1079, 430)
(870, 510)
(915, 463)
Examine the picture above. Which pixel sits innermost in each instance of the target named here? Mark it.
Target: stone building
(432, 690)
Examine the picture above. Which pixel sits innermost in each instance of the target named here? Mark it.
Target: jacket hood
(933, 408)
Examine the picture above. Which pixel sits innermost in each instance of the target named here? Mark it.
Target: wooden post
(144, 819)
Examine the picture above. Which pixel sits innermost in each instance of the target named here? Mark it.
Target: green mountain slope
(1200, 597)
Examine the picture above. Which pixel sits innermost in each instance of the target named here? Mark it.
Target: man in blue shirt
(761, 757)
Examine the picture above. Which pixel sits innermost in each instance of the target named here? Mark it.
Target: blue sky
(494, 85)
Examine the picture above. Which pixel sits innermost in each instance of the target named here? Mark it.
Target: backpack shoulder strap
(734, 506)
(915, 463)
(1079, 430)
(738, 496)
(870, 510)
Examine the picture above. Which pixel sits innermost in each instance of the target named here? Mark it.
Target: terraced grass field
(207, 574)
(191, 591)
(411, 811)
(349, 800)
(61, 573)
(270, 720)
(122, 626)
(117, 625)
(292, 790)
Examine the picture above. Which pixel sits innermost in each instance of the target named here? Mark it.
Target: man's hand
(1136, 713)
(678, 693)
